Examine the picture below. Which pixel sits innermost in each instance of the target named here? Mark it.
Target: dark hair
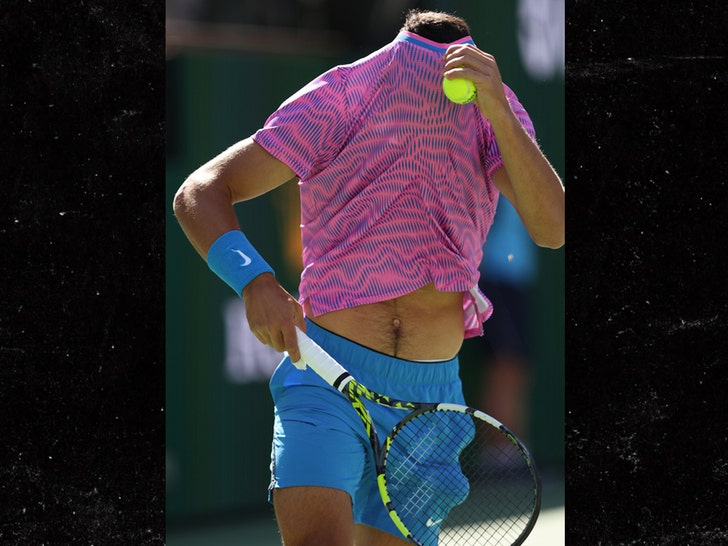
(435, 25)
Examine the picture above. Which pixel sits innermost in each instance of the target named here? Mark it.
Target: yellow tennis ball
(459, 90)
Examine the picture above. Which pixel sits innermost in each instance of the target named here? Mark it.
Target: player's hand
(273, 314)
(469, 62)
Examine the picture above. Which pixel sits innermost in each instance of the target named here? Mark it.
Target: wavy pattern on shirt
(395, 179)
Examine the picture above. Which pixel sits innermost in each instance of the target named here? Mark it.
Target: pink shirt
(395, 179)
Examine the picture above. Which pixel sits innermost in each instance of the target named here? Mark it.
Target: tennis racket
(448, 474)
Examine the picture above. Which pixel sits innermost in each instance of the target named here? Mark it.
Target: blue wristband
(232, 258)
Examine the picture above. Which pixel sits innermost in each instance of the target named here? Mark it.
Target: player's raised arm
(528, 180)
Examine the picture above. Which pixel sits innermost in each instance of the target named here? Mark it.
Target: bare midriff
(423, 325)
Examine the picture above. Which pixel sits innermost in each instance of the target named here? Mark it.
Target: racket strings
(456, 479)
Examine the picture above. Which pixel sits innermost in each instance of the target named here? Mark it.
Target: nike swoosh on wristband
(247, 262)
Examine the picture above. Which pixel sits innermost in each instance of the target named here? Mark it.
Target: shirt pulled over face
(395, 179)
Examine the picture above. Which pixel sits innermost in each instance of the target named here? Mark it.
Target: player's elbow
(188, 196)
(551, 235)
(549, 230)
(181, 204)
(553, 243)
(554, 238)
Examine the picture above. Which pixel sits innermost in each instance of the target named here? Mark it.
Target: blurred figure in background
(507, 273)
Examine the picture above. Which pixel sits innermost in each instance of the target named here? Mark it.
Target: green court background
(218, 431)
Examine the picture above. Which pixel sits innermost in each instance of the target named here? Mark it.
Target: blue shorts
(318, 438)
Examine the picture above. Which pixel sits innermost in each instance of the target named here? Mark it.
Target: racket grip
(319, 360)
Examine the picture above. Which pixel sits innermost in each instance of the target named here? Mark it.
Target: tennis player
(398, 189)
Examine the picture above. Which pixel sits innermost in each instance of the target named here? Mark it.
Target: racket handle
(320, 361)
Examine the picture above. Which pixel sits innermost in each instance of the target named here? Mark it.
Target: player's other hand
(469, 62)
(273, 314)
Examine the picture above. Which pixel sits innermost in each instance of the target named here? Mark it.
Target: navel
(396, 327)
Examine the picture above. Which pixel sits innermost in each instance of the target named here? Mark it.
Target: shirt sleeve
(493, 160)
(308, 130)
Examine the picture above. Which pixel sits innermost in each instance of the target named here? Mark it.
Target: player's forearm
(536, 189)
(204, 211)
